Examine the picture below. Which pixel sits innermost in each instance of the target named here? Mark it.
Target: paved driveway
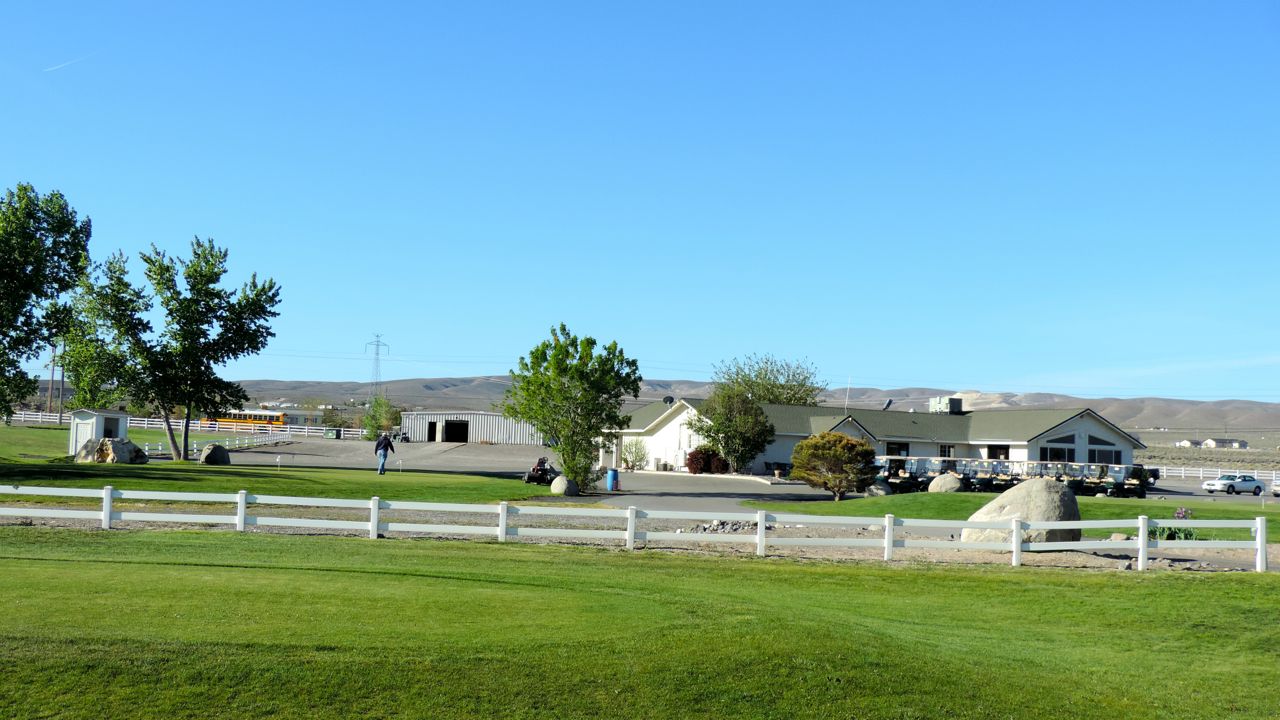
(680, 491)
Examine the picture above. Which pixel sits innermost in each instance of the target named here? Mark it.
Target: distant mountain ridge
(482, 392)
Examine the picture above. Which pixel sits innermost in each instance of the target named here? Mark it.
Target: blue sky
(1075, 197)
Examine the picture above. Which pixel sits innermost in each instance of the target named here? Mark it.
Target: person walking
(380, 449)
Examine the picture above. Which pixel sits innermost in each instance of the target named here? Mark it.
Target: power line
(377, 364)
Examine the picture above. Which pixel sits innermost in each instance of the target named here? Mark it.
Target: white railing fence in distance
(1140, 544)
(39, 418)
(236, 443)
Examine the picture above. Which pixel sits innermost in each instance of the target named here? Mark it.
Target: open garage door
(456, 430)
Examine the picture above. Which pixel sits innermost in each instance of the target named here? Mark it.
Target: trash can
(611, 480)
(331, 433)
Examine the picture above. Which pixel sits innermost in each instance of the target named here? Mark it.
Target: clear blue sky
(1078, 197)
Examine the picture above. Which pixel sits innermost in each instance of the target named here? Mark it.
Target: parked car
(1275, 487)
(1233, 485)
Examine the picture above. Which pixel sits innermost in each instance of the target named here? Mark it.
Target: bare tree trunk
(174, 451)
(186, 431)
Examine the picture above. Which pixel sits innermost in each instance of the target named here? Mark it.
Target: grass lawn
(959, 506)
(217, 624)
(49, 442)
(41, 442)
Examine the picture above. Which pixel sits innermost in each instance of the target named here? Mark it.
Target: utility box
(333, 433)
(89, 425)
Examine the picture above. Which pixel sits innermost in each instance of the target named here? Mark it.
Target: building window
(946, 451)
(1105, 457)
(1058, 454)
(997, 452)
(1065, 440)
(897, 449)
(1095, 440)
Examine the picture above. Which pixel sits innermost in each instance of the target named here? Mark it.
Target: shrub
(1177, 533)
(635, 454)
(834, 462)
(704, 459)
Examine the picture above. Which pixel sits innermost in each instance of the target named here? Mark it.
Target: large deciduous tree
(571, 390)
(203, 326)
(44, 249)
(735, 425)
(770, 380)
(834, 462)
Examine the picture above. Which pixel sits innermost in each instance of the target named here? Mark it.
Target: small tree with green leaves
(380, 418)
(834, 462)
(768, 380)
(571, 390)
(635, 454)
(734, 424)
(333, 418)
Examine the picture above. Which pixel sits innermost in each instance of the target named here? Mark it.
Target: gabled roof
(1020, 425)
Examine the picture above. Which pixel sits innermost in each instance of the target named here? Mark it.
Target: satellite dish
(887, 403)
(669, 400)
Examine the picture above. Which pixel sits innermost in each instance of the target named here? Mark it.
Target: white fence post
(888, 537)
(106, 507)
(631, 527)
(1260, 564)
(502, 521)
(1015, 541)
(1144, 526)
(760, 541)
(242, 501)
(375, 503)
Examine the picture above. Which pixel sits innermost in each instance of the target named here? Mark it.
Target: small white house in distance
(1230, 443)
(89, 425)
(1034, 435)
(1187, 444)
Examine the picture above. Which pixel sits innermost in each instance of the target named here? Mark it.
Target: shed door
(431, 431)
(456, 430)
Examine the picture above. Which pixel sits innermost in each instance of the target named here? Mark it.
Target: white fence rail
(38, 418)
(502, 529)
(236, 443)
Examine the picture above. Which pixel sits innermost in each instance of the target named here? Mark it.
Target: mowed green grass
(223, 625)
(49, 442)
(959, 506)
(193, 477)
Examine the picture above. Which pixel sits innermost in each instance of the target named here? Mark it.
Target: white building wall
(671, 441)
(1082, 427)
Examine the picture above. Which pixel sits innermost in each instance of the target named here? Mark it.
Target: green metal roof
(1019, 425)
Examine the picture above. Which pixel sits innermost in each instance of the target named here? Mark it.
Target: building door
(456, 430)
(431, 431)
(997, 452)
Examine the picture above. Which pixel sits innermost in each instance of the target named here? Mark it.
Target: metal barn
(468, 427)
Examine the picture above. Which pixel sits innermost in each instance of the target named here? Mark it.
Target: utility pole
(378, 346)
(62, 380)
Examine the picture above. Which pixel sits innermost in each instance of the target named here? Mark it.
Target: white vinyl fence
(39, 418)
(503, 513)
(235, 443)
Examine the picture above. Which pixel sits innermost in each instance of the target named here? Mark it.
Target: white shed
(89, 425)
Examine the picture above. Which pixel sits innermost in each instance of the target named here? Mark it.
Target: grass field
(188, 624)
(959, 506)
(193, 477)
(49, 442)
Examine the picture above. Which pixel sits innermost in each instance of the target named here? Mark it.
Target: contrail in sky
(65, 64)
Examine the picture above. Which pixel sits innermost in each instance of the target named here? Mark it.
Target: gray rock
(946, 482)
(1119, 536)
(879, 488)
(215, 454)
(564, 486)
(1041, 499)
(111, 450)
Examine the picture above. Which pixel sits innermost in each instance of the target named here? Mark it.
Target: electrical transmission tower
(378, 347)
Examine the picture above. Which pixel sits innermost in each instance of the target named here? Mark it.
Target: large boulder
(111, 450)
(946, 482)
(1040, 499)
(215, 454)
(879, 488)
(564, 486)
